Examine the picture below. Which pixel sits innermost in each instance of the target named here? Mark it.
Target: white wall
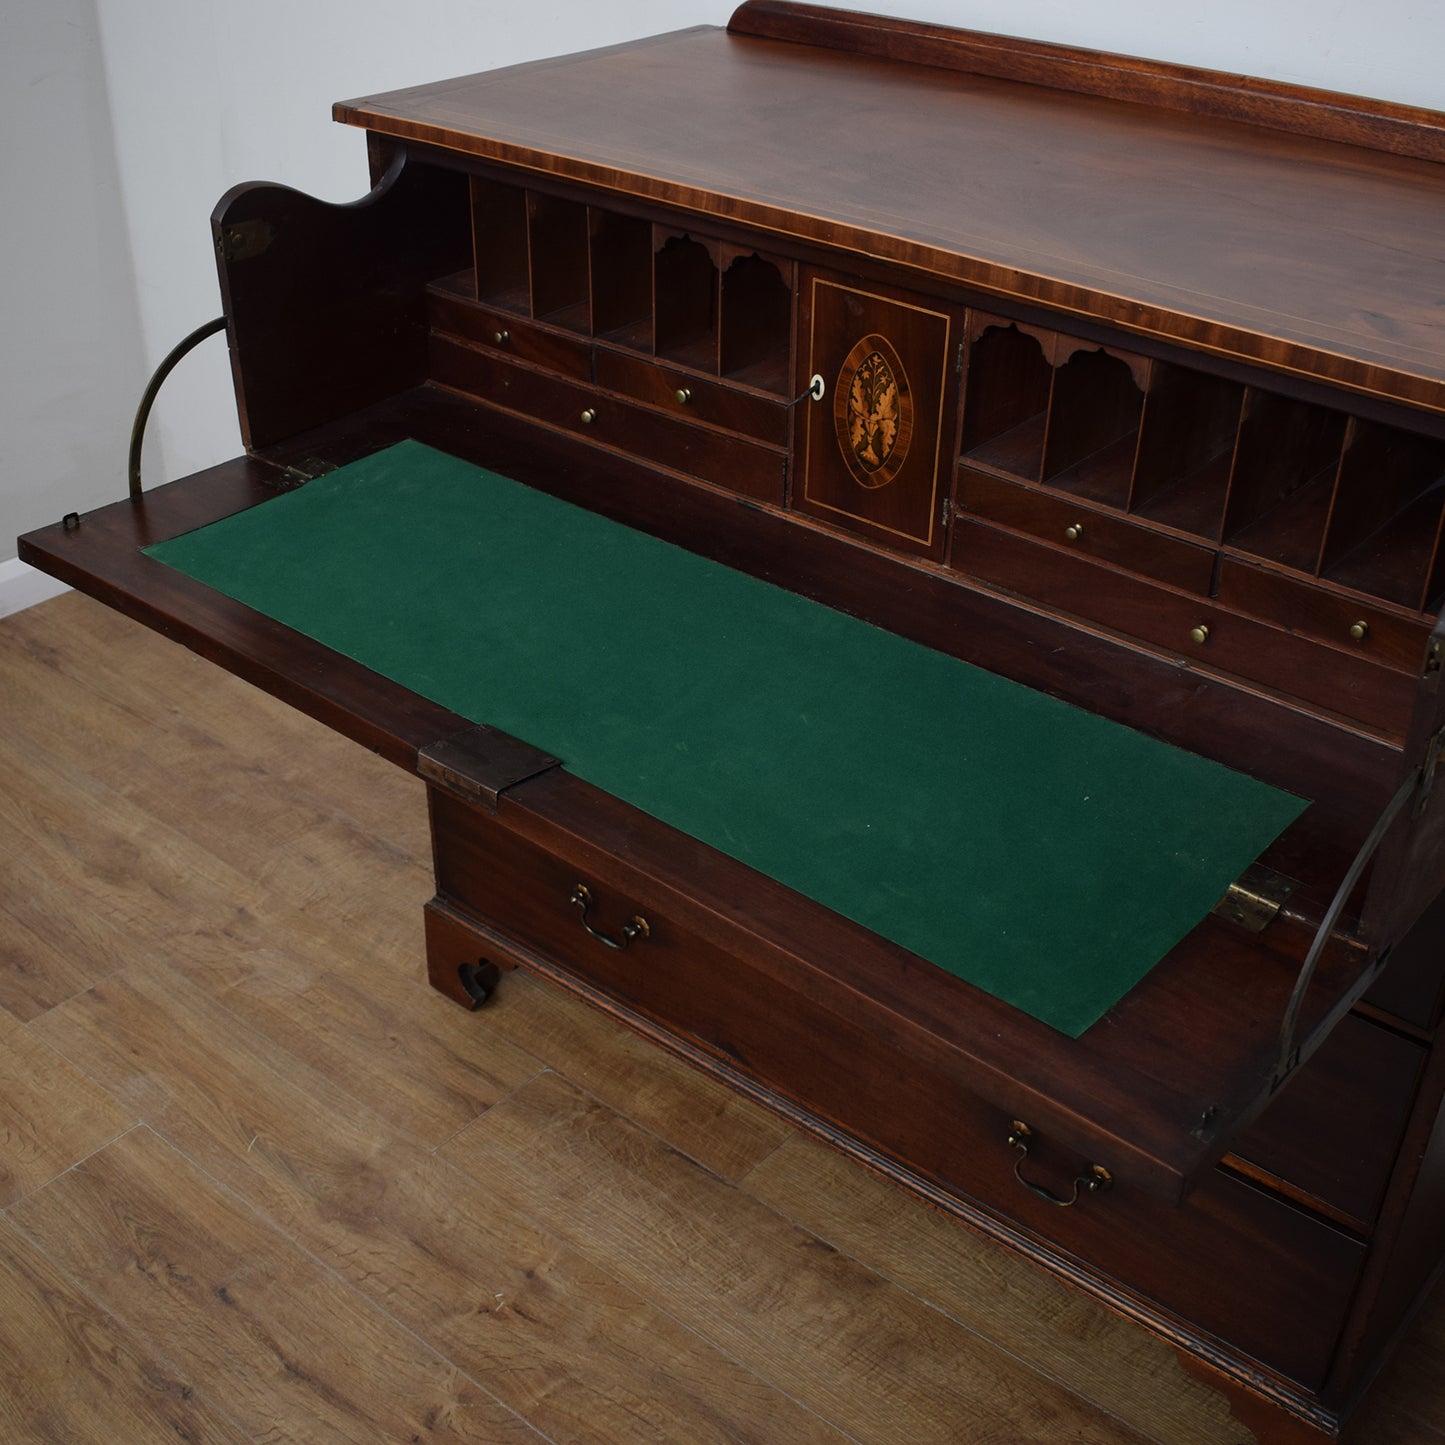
(202, 94)
(70, 343)
(207, 93)
(1391, 49)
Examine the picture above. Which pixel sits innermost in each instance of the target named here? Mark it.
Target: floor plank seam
(144, 1346)
(275, 1225)
(542, 1068)
(71, 997)
(956, 1318)
(76, 1163)
(713, 1346)
(788, 1138)
(680, 1152)
(661, 1308)
(670, 1145)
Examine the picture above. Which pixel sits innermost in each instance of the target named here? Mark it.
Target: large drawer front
(1331, 1136)
(1234, 1260)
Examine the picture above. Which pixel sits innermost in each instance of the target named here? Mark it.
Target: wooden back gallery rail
(816, 501)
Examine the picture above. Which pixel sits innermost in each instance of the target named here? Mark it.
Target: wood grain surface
(784, 1306)
(268, 1184)
(285, 1346)
(1305, 254)
(51, 1115)
(69, 1370)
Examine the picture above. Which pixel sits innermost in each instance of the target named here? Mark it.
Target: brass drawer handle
(1095, 1181)
(683, 395)
(635, 927)
(589, 416)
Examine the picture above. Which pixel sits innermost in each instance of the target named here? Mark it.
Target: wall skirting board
(22, 586)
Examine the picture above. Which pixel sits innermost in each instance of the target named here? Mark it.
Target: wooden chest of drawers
(1182, 469)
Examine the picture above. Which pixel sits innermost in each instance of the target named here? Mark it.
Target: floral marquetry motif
(873, 412)
(873, 448)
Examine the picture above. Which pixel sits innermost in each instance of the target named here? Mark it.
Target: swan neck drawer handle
(1095, 1181)
(636, 927)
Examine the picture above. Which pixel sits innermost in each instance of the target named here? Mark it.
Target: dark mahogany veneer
(1129, 392)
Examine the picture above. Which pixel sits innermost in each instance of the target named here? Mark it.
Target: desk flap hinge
(1428, 770)
(1434, 661)
(240, 240)
(480, 763)
(307, 469)
(1255, 900)
(1208, 1125)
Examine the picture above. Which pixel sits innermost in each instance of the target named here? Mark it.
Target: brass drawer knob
(501, 337)
(683, 395)
(1199, 634)
(589, 416)
(636, 927)
(1074, 532)
(1095, 1181)
(1359, 631)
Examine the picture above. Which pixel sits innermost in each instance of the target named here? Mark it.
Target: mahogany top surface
(1308, 255)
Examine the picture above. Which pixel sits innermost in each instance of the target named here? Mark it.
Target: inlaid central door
(875, 446)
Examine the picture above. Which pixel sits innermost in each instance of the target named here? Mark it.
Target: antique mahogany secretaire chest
(909, 562)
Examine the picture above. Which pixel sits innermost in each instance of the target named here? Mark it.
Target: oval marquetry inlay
(873, 412)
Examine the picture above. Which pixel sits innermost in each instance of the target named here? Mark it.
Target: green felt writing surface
(1044, 854)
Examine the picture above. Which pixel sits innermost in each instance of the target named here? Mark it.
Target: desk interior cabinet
(1121, 381)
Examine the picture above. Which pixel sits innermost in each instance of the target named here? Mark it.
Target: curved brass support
(636, 927)
(1289, 1048)
(1095, 1181)
(153, 386)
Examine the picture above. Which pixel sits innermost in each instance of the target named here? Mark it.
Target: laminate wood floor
(259, 1182)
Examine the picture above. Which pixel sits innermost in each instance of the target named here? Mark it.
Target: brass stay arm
(1419, 780)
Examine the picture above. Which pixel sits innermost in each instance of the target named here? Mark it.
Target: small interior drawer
(1359, 626)
(1199, 630)
(693, 397)
(509, 334)
(1066, 522)
(601, 416)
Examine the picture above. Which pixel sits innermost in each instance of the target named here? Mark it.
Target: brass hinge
(307, 469)
(1428, 769)
(1434, 659)
(1256, 898)
(240, 240)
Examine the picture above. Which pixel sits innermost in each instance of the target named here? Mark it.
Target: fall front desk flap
(980, 824)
